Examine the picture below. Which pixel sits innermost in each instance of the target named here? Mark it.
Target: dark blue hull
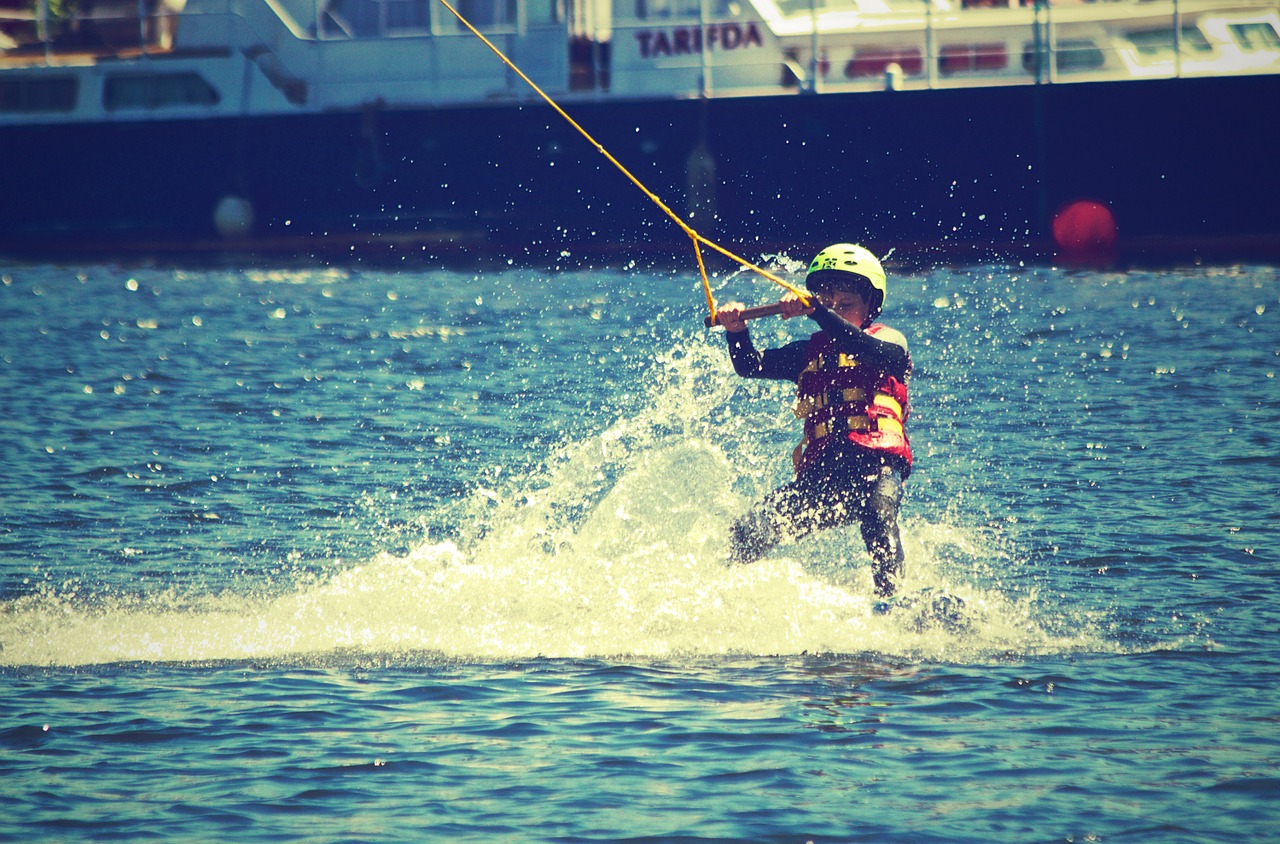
(1185, 166)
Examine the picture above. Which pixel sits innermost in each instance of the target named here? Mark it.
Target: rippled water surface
(355, 555)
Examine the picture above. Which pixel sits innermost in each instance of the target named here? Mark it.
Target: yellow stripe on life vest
(889, 426)
(845, 423)
(887, 401)
(806, 406)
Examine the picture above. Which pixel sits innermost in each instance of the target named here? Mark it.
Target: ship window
(157, 90)
(1255, 36)
(875, 61)
(969, 58)
(1079, 55)
(30, 94)
(483, 13)
(542, 11)
(647, 9)
(409, 15)
(1070, 54)
(791, 8)
(1158, 43)
(373, 18)
(379, 18)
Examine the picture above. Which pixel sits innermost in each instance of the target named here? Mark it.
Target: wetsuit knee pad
(886, 494)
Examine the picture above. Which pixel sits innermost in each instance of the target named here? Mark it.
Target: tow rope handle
(698, 240)
(748, 313)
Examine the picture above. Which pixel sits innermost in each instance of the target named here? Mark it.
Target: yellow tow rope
(698, 240)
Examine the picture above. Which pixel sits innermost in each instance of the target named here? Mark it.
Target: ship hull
(1185, 168)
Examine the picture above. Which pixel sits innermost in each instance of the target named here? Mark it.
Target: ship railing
(69, 31)
(936, 44)
(907, 44)
(119, 28)
(303, 50)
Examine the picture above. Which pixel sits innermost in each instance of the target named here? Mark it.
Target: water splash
(615, 547)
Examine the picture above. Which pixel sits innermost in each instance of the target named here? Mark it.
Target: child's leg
(790, 512)
(880, 531)
(764, 525)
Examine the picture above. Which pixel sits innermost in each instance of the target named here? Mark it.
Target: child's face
(851, 306)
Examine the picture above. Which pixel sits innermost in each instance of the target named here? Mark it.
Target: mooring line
(698, 240)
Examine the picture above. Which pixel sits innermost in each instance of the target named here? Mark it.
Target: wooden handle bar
(752, 313)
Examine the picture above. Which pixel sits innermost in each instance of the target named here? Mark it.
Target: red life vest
(835, 396)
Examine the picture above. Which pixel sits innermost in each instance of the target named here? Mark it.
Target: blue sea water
(346, 554)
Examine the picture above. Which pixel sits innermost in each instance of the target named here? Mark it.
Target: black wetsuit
(847, 482)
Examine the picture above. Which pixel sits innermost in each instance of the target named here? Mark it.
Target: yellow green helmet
(851, 267)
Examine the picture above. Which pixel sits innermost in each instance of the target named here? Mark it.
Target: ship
(403, 130)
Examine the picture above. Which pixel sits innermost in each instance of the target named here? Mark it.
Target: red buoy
(1085, 230)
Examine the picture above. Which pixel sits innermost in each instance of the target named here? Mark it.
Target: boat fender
(233, 216)
(1085, 231)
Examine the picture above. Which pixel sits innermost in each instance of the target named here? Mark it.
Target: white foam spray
(616, 548)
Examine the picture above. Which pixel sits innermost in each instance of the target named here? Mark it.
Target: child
(851, 381)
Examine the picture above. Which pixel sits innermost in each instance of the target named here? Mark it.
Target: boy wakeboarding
(851, 378)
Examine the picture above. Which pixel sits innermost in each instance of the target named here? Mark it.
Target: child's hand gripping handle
(752, 313)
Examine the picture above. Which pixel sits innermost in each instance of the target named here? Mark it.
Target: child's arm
(784, 364)
(886, 351)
